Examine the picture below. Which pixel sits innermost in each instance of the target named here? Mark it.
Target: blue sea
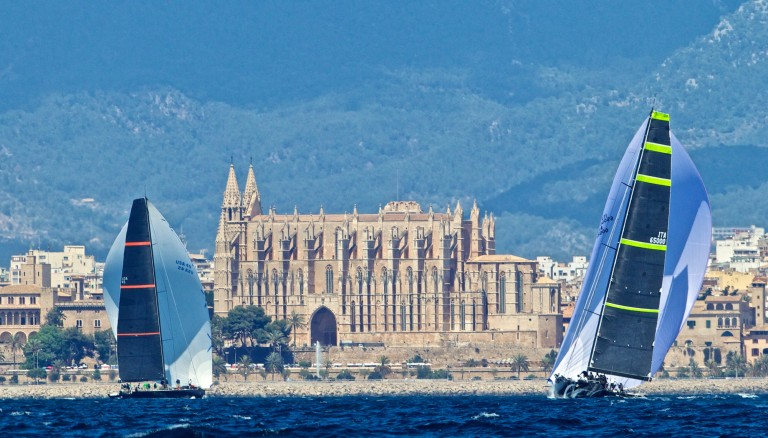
(419, 416)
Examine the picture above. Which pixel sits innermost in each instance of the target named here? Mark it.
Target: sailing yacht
(645, 272)
(157, 309)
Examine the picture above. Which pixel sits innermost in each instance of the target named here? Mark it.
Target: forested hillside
(522, 108)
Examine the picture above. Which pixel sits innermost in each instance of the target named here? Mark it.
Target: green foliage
(103, 341)
(2, 380)
(244, 366)
(14, 379)
(375, 375)
(55, 317)
(37, 373)
(520, 363)
(345, 375)
(245, 323)
(83, 379)
(417, 359)
(549, 360)
(305, 364)
(219, 367)
(53, 343)
(274, 363)
(471, 363)
(96, 375)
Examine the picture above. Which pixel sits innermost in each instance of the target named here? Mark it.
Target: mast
(139, 343)
(624, 339)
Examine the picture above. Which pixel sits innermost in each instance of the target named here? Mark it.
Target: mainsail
(181, 316)
(647, 264)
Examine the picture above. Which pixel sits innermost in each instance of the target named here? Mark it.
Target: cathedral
(400, 276)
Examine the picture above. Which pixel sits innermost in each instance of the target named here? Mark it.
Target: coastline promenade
(394, 387)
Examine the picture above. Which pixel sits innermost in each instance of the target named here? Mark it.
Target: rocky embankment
(261, 388)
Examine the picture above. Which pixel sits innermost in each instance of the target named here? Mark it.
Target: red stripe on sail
(136, 286)
(138, 243)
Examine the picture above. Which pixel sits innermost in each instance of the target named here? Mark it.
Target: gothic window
(734, 322)
(352, 317)
(729, 306)
(359, 278)
(719, 322)
(409, 277)
(462, 316)
(402, 316)
(453, 315)
(474, 315)
(435, 280)
(485, 311)
(328, 279)
(410, 315)
(250, 286)
(301, 282)
(503, 293)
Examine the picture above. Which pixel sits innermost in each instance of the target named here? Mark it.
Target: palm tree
(520, 363)
(549, 360)
(219, 367)
(383, 367)
(714, 369)
(695, 369)
(735, 362)
(245, 366)
(275, 338)
(56, 367)
(16, 344)
(296, 321)
(274, 363)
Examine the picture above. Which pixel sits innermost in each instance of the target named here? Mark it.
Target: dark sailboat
(157, 309)
(645, 271)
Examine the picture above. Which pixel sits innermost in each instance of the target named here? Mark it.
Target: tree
(296, 321)
(37, 373)
(345, 375)
(274, 363)
(548, 362)
(55, 317)
(16, 344)
(56, 367)
(275, 338)
(245, 366)
(383, 367)
(734, 362)
(217, 335)
(520, 363)
(694, 369)
(243, 323)
(103, 340)
(713, 368)
(219, 367)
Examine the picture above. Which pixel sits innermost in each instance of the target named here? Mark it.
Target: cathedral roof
(499, 258)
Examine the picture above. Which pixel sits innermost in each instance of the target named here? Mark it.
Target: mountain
(525, 108)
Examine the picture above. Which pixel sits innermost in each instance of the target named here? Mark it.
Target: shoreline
(394, 387)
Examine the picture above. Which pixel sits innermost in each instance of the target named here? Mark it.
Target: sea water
(353, 416)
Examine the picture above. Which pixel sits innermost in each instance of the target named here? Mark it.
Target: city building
(66, 267)
(741, 249)
(400, 276)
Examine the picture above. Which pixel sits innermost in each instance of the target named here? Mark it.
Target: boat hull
(161, 393)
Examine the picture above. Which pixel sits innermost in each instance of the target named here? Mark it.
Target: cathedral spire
(251, 196)
(231, 192)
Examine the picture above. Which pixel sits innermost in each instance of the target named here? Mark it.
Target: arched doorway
(323, 327)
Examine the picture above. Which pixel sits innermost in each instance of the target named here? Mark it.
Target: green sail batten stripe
(645, 245)
(631, 309)
(660, 116)
(655, 147)
(653, 180)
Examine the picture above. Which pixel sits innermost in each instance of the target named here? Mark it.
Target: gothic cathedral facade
(400, 276)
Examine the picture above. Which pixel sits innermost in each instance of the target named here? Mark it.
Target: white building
(569, 272)
(70, 269)
(741, 251)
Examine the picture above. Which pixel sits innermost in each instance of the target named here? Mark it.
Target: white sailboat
(157, 309)
(645, 272)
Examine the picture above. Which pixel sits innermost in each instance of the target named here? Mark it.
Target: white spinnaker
(184, 322)
(580, 337)
(690, 234)
(113, 271)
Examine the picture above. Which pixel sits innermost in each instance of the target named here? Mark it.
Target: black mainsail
(625, 336)
(139, 344)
